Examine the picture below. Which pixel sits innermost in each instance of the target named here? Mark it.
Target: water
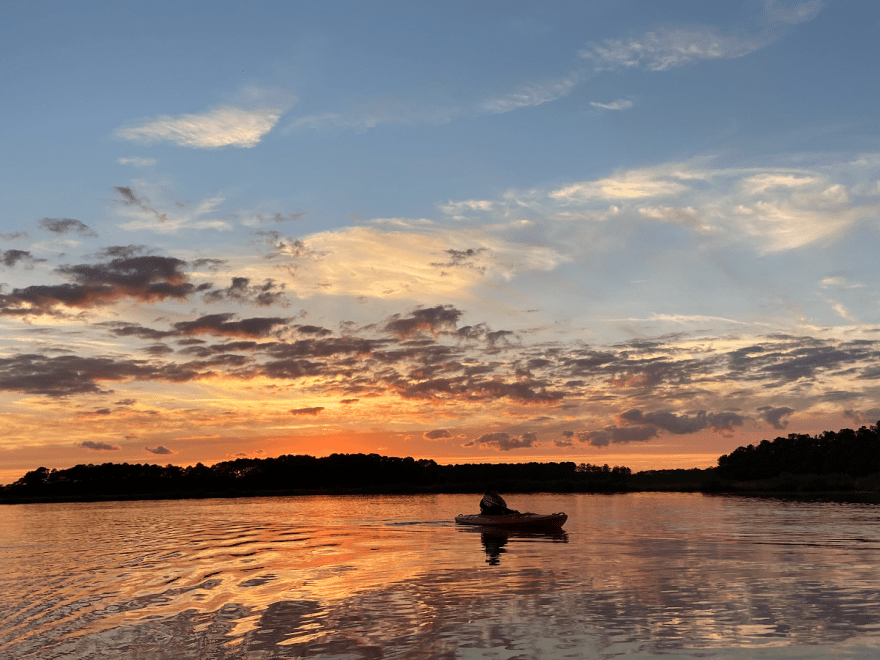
(632, 576)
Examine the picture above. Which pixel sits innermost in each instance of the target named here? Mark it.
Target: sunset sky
(621, 231)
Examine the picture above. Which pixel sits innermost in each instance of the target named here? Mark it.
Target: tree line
(855, 453)
(292, 474)
(832, 460)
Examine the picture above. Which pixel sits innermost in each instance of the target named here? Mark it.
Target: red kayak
(514, 520)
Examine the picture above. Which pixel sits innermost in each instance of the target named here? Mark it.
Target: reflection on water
(494, 540)
(641, 576)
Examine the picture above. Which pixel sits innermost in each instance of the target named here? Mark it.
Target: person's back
(493, 504)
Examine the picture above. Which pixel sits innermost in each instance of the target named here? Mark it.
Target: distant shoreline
(843, 465)
(750, 490)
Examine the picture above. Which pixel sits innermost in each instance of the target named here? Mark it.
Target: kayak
(514, 520)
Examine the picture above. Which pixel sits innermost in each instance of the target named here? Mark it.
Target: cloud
(242, 291)
(98, 446)
(400, 259)
(773, 209)
(129, 198)
(224, 325)
(68, 375)
(307, 411)
(724, 422)
(66, 225)
(776, 417)
(10, 258)
(145, 215)
(617, 435)
(432, 320)
(224, 126)
(671, 47)
(277, 218)
(530, 95)
(839, 282)
(368, 115)
(145, 278)
(870, 416)
(438, 434)
(668, 48)
(160, 450)
(137, 162)
(619, 104)
(504, 442)
(634, 184)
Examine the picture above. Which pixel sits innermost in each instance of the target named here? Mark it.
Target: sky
(624, 231)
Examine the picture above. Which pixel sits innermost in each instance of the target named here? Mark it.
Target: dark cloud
(98, 446)
(69, 374)
(775, 416)
(348, 401)
(307, 411)
(504, 442)
(160, 450)
(145, 278)
(210, 264)
(478, 390)
(121, 251)
(617, 435)
(684, 424)
(431, 320)
(123, 329)
(290, 247)
(312, 330)
(326, 347)
(129, 198)
(65, 225)
(14, 235)
(281, 217)
(870, 416)
(437, 434)
(158, 349)
(783, 359)
(10, 258)
(242, 291)
(462, 259)
(293, 369)
(223, 324)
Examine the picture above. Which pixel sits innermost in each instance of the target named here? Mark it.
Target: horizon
(616, 233)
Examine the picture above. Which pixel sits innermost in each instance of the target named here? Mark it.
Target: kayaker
(493, 504)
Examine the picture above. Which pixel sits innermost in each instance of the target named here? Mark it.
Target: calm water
(634, 576)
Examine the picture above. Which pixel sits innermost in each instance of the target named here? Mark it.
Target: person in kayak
(493, 504)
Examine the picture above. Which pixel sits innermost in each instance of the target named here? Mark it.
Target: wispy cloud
(145, 214)
(404, 259)
(225, 126)
(619, 104)
(839, 282)
(671, 47)
(530, 95)
(775, 209)
(668, 48)
(137, 162)
(374, 113)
